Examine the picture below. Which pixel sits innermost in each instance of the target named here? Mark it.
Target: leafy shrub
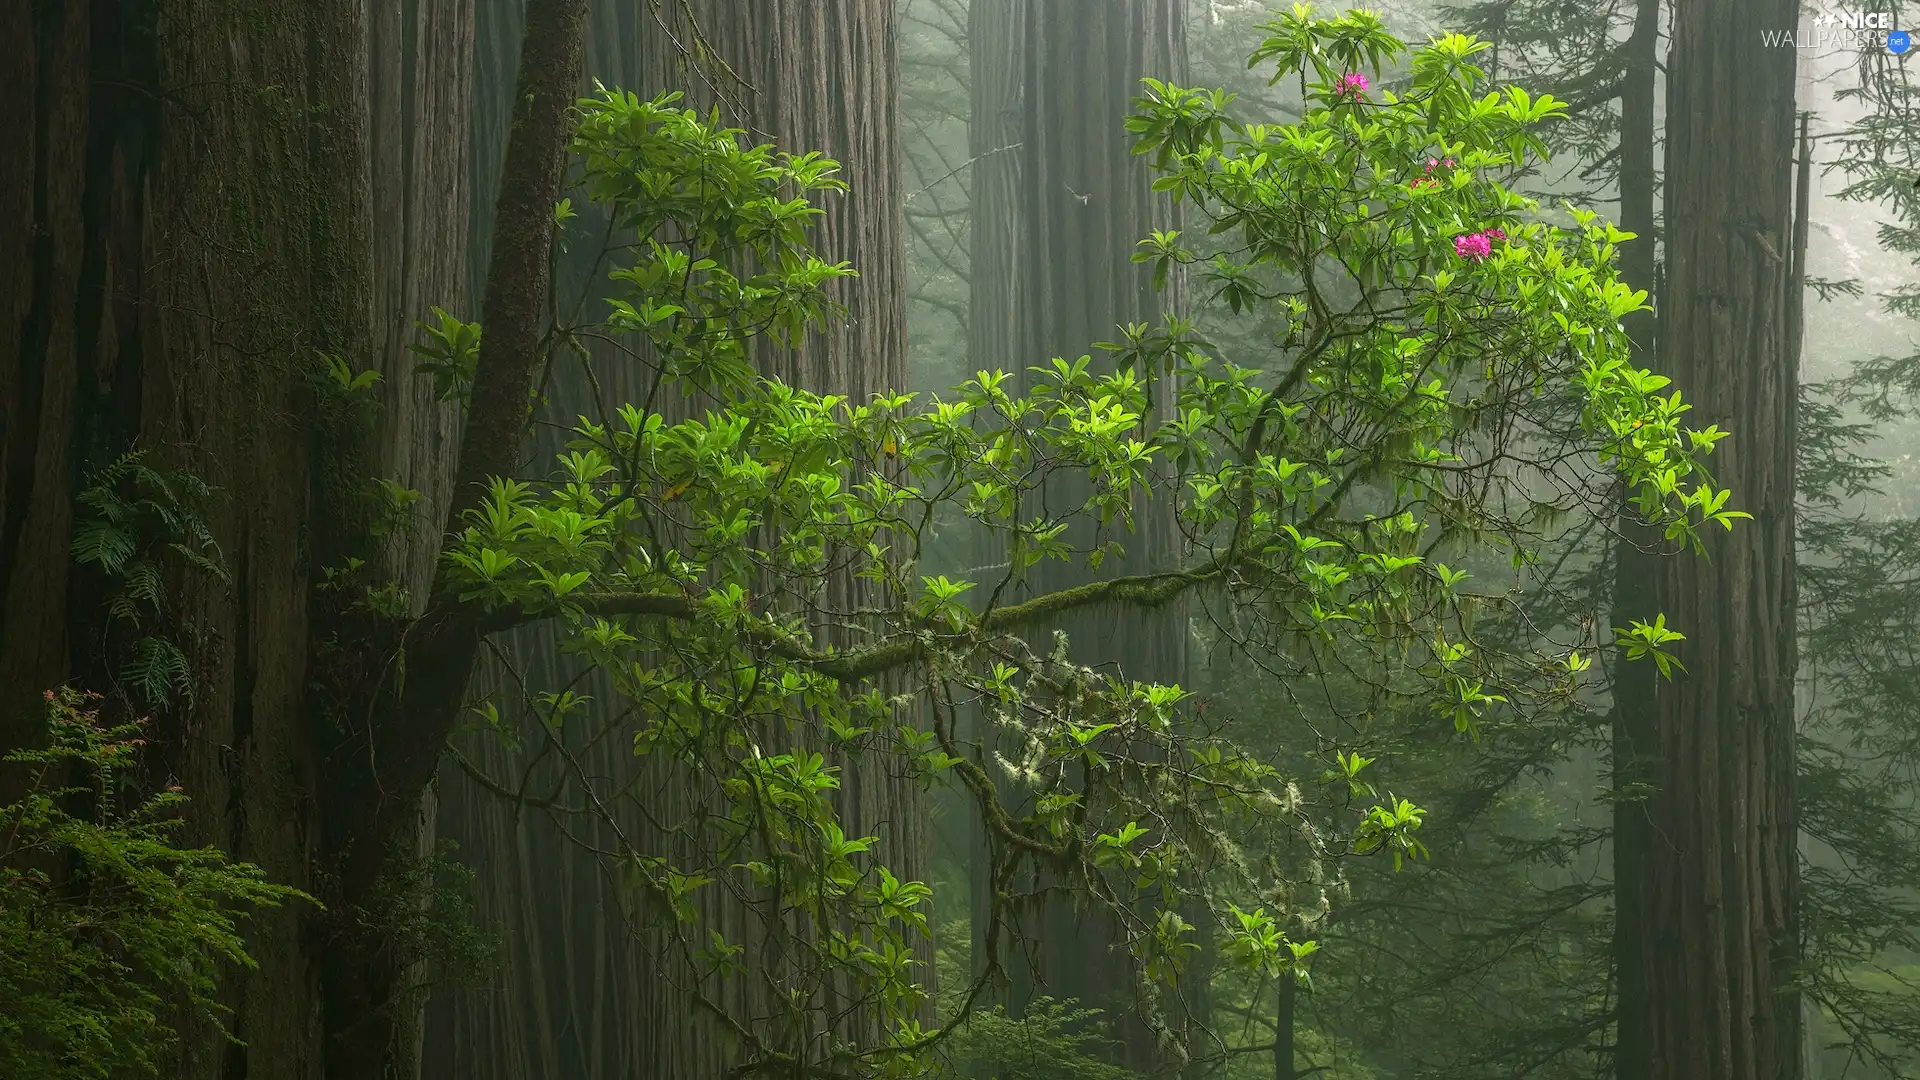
(109, 932)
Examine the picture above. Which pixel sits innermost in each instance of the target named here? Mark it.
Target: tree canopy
(1451, 375)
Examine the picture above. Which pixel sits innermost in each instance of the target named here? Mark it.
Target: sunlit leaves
(1644, 639)
(744, 567)
(1390, 827)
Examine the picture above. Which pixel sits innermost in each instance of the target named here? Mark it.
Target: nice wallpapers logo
(1845, 30)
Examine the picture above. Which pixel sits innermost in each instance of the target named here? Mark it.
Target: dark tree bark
(187, 219)
(1636, 552)
(380, 776)
(1284, 1022)
(582, 994)
(1709, 884)
(1055, 224)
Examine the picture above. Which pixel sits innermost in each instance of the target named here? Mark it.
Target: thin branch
(955, 171)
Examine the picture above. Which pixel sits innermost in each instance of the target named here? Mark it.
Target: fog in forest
(993, 539)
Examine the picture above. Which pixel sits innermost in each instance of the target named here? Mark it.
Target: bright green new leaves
(1644, 640)
(448, 352)
(705, 209)
(739, 559)
(1391, 826)
(1300, 43)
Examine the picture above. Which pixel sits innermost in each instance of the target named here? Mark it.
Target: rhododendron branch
(1140, 591)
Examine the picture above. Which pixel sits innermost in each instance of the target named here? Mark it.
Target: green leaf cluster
(111, 934)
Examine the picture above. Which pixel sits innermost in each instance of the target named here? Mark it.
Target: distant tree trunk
(994, 286)
(1710, 886)
(1796, 338)
(994, 131)
(1283, 1027)
(197, 201)
(1636, 553)
(583, 995)
(1051, 276)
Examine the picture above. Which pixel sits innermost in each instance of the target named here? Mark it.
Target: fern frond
(101, 542)
(159, 671)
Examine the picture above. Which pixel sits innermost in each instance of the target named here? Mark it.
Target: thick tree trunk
(1709, 920)
(1055, 225)
(380, 776)
(582, 994)
(187, 214)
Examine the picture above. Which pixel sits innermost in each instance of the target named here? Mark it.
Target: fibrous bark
(380, 775)
(584, 992)
(1051, 275)
(1637, 553)
(1709, 881)
(187, 221)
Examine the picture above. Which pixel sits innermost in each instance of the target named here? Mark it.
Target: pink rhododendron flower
(1354, 84)
(1497, 234)
(1472, 247)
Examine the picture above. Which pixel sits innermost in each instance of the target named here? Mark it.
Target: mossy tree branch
(1138, 591)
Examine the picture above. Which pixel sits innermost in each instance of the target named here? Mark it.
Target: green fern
(99, 963)
(103, 542)
(159, 671)
(133, 521)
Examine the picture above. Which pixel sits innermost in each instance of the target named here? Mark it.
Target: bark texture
(379, 773)
(1056, 223)
(1637, 554)
(996, 280)
(188, 213)
(583, 993)
(1709, 913)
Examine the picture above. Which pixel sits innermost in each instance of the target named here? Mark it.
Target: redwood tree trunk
(1056, 223)
(995, 282)
(187, 213)
(1709, 918)
(1637, 558)
(378, 773)
(582, 994)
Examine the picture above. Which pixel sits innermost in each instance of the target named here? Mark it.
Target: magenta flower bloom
(1354, 84)
(1472, 247)
(1496, 234)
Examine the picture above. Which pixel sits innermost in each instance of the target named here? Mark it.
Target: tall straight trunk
(1055, 225)
(1284, 1026)
(1636, 555)
(385, 738)
(198, 201)
(993, 290)
(1711, 919)
(581, 994)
